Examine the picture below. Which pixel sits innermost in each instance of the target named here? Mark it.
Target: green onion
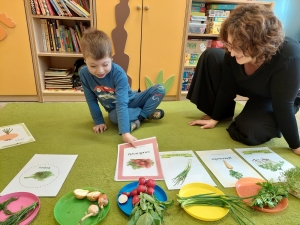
(180, 178)
(235, 204)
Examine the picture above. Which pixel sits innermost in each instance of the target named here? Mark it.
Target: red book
(37, 8)
(50, 8)
(43, 11)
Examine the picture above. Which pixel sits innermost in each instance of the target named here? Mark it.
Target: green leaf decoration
(160, 77)
(169, 83)
(148, 82)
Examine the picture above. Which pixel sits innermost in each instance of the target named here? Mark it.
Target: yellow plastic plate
(205, 213)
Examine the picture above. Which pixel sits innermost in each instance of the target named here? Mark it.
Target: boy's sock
(141, 118)
(134, 125)
(156, 115)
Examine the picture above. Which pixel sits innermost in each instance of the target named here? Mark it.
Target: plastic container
(197, 28)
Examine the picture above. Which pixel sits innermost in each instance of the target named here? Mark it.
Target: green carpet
(66, 128)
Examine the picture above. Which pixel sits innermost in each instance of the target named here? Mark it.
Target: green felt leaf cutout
(159, 80)
(148, 82)
(160, 77)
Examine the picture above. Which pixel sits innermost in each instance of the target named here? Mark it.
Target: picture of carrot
(227, 165)
(8, 136)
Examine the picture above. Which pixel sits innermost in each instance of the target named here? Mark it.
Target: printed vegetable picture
(233, 173)
(8, 135)
(268, 164)
(13, 135)
(41, 175)
(180, 178)
(140, 163)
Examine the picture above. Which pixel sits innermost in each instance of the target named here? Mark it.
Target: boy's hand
(128, 138)
(99, 128)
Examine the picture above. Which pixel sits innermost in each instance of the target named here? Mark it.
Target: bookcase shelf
(182, 94)
(43, 59)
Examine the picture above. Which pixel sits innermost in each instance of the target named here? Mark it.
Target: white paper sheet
(265, 161)
(13, 135)
(227, 166)
(175, 162)
(43, 175)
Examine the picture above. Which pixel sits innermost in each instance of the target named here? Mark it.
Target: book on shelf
(74, 40)
(43, 11)
(77, 8)
(43, 36)
(82, 10)
(46, 7)
(37, 8)
(56, 72)
(69, 13)
(32, 6)
(59, 86)
(50, 8)
(51, 40)
(62, 8)
(56, 7)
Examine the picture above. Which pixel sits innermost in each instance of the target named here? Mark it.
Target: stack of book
(77, 8)
(61, 38)
(58, 78)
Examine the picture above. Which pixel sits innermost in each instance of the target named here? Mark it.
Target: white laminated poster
(227, 166)
(142, 161)
(43, 175)
(183, 167)
(265, 161)
(13, 135)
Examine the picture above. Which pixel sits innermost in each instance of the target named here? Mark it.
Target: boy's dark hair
(95, 44)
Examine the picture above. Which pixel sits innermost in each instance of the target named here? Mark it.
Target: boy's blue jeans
(143, 104)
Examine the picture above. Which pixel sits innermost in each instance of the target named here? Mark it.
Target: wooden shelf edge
(203, 35)
(60, 54)
(62, 17)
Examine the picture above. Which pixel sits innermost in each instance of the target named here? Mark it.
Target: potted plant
(291, 179)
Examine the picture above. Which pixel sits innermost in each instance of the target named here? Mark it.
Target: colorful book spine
(37, 8)
(221, 6)
(32, 6)
(44, 21)
(74, 41)
(83, 11)
(53, 27)
(51, 40)
(62, 9)
(50, 8)
(55, 7)
(77, 29)
(78, 41)
(74, 8)
(69, 40)
(66, 8)
(42, 7)
(46, 7)
(64, 46)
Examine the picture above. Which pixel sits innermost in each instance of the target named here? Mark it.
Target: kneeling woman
(259, 63)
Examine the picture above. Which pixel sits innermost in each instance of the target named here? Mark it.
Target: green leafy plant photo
(160, 80)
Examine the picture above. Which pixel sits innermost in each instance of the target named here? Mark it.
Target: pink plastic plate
(24, 199)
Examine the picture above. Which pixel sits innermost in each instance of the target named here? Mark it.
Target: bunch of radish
(144, 186)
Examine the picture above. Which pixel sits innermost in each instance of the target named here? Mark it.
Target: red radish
(151, 183)
(142, 180)
(150, 190)
(134, 192)
(126, 193)
(135, 199)
(141, 188)
(123, 199)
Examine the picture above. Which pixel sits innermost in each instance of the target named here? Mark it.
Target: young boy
(106, 82)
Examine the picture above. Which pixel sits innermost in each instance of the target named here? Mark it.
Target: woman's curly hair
(255, 30)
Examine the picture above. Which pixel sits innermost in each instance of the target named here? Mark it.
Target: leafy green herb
(20, 216)
(235, 174)
(180, 178)
(291, 180)
(269, 195)
(235, 204)
(149, 211)
(40, 176)
(3, 205)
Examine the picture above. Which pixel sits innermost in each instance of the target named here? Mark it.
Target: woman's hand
(205, 124)
(128, 138)
(99, 128)
(297, 151)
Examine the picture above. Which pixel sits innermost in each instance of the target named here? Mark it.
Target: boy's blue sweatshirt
(112, 91)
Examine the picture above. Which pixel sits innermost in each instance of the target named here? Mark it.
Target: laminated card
(227, 166)
(183, 167)
(13, 135)
(142, 161)
(43, 175)
(265, 161)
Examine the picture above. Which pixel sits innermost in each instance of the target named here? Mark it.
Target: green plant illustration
(269, 164)
(235, 174)
(160, 80)
(180, 178)
(41, 176)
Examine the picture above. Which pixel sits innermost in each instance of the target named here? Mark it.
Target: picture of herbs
(269, 164)
(180, 178)
(232, 173)
(17, 217)
(140, 163)
(41, 176)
